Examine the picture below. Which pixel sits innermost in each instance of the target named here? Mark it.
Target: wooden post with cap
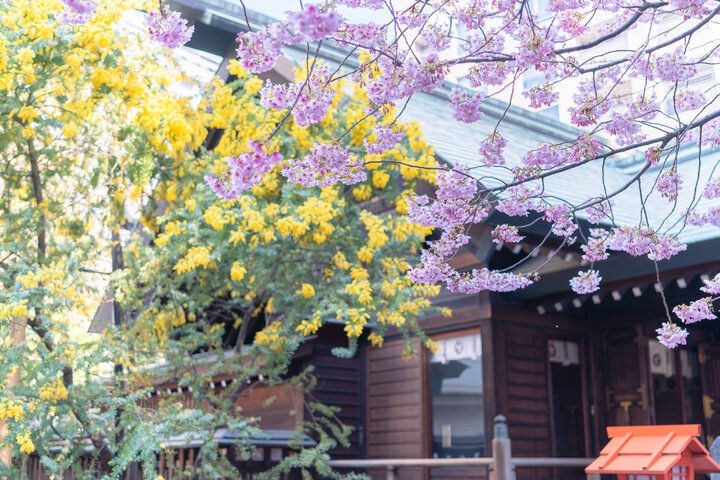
(502, 468)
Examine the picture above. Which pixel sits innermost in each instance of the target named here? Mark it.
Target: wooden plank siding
(398, 405)
(523, 381)
(527, 404)
(340, 384)
(396, 414)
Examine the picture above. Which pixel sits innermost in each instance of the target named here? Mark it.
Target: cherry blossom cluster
(309, 98)
(244, 171)
(77, 11)
(671, 335)
(560, 217)
(506, 234)
(456, 183)
(596, 247)
(385, 139)
(638, 241)
(599, 212)
(169, 29)
(673, 67)
(366, 35)
(628, 102)
(696, 311)
(668, 184)
(444, 214)
(465, 106)
(712, 286)
(710, 216)
(258, 51)
(586, 282)
(312, 23)
(491, 150)
(689, 100)
(548, 156)
(485, 279)
(520, 200)
(541, 96)
(327, 164)
(712, 189)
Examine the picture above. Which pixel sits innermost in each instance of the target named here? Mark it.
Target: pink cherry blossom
(506, 234)
(712, 286)
(696, 311)
(366, 35)
(671, 335)
(455, 184)
(712, 189)
(244, 171)
(374, 4)
(385, 139)
(689, 100)
(652, 155)
(258, 51)
(449, 242)
(465, 106)
(599, 212)
(560, 216)
(519, 200)
(277, 96)
(668, 184)
(77, 11)
(595, 249)
(390, 86)
(444, 214)
(709, 217)
(572, 23)
(326, 164)
(471, 15)
(485, 279)
(436, 37)
(586, 282)
(312, 23)
(310, 98)
(425, 75)
(491, 150)
(541, 96)
(535, 47)
(673, 67)
(488, 73)
(432, 269)
(168, 28)
(638, 241)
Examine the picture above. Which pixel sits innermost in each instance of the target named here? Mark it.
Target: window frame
(486, 362)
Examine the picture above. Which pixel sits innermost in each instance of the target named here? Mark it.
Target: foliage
(248, 280)
(94, 147)
(627, 75)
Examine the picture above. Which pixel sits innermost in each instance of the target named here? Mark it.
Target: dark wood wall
(398, 418)
(340, 384)
(523, 382)
(525, 401)
(396, 412)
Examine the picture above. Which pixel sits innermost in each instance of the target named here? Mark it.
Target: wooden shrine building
(560, 367)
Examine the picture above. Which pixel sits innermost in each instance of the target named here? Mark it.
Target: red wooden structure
(654, 452)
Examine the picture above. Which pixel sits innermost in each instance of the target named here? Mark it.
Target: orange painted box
(654, 452)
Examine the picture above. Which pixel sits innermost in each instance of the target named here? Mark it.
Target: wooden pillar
(501, 452)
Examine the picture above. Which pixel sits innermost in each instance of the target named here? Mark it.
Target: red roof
(652, 449)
